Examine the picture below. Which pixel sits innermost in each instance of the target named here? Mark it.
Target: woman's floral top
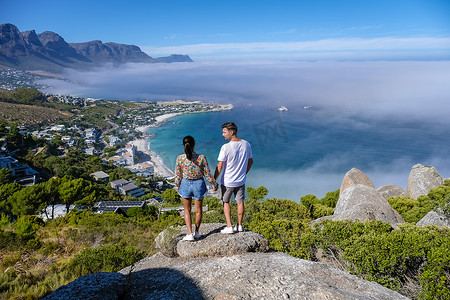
(192, 169)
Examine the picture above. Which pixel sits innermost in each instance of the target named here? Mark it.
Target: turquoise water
(300, 152)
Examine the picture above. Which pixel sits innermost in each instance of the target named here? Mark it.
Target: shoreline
(143, 145)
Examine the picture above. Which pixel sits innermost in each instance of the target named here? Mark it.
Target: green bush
(109, 258)
(412, 210)
(319, 210)
(330, 199)
(149, 210)
(393, 258)
(26, 226)
(9, 241)
(292, 236)
(441, 198)
(435, 277)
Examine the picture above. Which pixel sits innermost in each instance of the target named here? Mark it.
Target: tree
(3, 130)
(5, 176)
(14, 137)
(28, 201)
(53, 164)
(53, 196)
(171, 196)
(6, 190)
(74, 190)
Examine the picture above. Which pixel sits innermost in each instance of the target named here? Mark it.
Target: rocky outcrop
(434, 218)
(388, 191)
(247, 276)
(422, 179)
(364, 203)
(358, 200)
(212, 242)
(201, 271)
(99, 286)
(354, 177)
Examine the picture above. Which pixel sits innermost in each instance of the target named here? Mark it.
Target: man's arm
(249, 165)
(218, 170)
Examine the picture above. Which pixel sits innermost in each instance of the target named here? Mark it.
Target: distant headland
(49, 52)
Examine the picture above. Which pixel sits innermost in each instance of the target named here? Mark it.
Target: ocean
(304, 151)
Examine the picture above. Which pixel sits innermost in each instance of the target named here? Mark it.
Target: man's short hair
(230, 126)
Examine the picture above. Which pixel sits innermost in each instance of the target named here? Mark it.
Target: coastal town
(119, 138)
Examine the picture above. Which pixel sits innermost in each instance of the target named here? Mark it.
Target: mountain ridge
(48, 51)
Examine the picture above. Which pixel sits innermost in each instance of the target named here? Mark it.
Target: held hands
(215, 186)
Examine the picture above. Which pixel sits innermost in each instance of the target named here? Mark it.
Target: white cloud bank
(417, 90)
(390, 48)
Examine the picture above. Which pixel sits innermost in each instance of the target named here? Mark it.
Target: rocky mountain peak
(30, 37)
(49, 51)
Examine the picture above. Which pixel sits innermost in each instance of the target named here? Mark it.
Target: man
(235, 160)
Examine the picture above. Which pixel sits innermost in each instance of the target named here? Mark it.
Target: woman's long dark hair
(188, 143)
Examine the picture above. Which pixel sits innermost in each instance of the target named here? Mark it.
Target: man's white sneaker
(189, 237)
(227, 230)
(238, 228)
(196, 235)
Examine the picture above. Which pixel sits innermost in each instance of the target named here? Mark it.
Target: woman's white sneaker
(238, 228)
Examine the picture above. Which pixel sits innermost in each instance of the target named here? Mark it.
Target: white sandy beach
(159, 120)
(143, 145)
(161, 169)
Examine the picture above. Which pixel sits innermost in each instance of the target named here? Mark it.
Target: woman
(189, 171)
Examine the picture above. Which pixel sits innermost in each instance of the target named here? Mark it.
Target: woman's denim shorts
(195, 189)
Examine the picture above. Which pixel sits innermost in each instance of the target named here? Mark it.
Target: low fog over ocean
(412, 96)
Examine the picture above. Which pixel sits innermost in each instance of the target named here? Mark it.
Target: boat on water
(282, 108)
(307, 107)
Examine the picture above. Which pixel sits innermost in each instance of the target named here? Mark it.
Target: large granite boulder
(388, 191)
(272, 275)
(211, 243)
(98, 286)
(422, 179)
(434, 218)
(364, 203)
(353, 177)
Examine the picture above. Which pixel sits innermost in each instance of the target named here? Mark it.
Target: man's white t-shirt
(235, 156)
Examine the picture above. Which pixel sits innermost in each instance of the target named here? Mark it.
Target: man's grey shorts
(239, 193)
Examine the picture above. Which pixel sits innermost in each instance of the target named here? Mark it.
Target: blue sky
(205, 29)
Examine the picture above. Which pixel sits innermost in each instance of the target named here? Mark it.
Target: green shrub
(309, 200)
(393, 258)
(330, 199)
(319, 210)
(9, 240)
(109, 258)
(149, 210)
(412, 210)
(292, 236)
(435, 278)
(26, 226)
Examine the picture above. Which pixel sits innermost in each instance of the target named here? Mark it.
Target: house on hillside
(23, 174)
(100, 176)
(131, 190)
(118, 183)
(146, 169)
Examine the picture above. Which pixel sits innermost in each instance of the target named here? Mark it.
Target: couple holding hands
(234, 161)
